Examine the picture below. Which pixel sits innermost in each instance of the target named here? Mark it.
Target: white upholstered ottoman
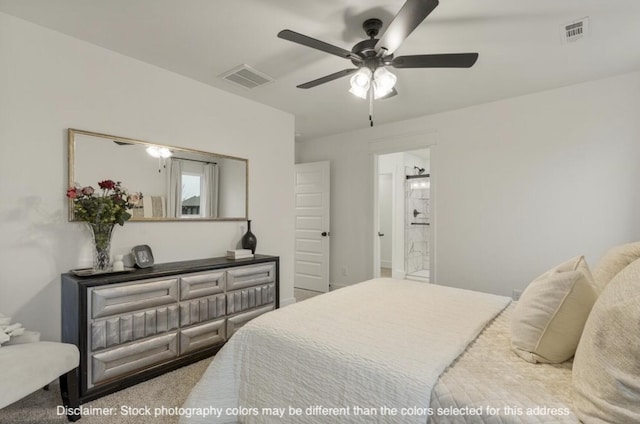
(27, 367)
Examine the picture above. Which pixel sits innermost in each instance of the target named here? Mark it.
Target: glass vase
(101, 236)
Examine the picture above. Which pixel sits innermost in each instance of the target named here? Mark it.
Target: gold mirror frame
(72, 153)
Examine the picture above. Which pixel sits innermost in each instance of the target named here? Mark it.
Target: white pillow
(606, 368)
(614, 261)
(548, 320)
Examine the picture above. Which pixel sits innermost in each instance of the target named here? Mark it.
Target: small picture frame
(142, 256)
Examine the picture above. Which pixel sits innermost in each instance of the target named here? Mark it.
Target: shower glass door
(417, 226)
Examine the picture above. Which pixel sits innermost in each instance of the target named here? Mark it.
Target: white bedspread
(488, 376)
(337, 357)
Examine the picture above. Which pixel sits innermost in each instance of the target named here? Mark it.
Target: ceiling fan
(371, 57)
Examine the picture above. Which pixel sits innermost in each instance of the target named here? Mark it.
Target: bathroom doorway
(404, 215)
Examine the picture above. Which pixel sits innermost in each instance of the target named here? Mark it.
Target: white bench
(27, 367)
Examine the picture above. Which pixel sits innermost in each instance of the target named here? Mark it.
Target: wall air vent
(575, 31)
(246, 77)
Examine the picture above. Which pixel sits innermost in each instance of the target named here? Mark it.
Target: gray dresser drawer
(199, 285)
(253, 275)
(201, 310)
(201, 336)
(241, 300)
(122, 360)
(129, 297)
(237, 321)
(129, 327)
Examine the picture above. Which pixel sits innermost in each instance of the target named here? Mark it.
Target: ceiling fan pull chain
(371, 106)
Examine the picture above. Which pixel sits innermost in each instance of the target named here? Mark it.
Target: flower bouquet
(101, 211)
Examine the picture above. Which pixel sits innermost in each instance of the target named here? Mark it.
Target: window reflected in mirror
(193, 194)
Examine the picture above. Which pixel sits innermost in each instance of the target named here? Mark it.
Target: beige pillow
(548, 320)
(614, 261)
(606, 368)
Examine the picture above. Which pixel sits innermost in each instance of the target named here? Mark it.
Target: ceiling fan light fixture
(383, 82)
(369, 79)
(159, 152)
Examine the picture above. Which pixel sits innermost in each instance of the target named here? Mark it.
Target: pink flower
(72, 193)
(109, 206)
(134, 198)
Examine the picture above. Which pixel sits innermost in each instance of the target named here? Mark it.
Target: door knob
(380, 234)
(325, 233)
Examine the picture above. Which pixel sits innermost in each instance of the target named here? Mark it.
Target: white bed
(399, 349)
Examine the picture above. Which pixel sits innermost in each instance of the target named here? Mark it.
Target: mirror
(176, 184)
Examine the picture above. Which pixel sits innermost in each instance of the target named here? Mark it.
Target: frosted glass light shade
(159, 152)
(361, 82)
(383, 82)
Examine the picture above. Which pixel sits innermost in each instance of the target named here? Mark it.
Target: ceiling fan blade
(448, 60)
(328, 78)
(296, 37)
(408, 18)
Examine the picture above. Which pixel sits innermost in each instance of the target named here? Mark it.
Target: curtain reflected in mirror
(174, 193)
(175, 183)
(211, 172)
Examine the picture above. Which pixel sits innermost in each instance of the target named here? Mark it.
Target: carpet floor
(169, 391)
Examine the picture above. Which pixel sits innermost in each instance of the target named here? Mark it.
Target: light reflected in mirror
(176, 183)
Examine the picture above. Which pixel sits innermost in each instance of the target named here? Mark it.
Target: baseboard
(334, 286)
(386, 264)
(287, 302)
(398, 273)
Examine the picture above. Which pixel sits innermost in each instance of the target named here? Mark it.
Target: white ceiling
(518, 41)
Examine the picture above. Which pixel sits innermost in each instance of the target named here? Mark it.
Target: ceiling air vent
(246, 77)
(574, 31)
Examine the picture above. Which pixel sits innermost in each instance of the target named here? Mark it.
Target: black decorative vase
(249, 240)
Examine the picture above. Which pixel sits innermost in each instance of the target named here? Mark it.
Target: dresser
(136, 325)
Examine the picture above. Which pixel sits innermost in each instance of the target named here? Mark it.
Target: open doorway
(404, 211)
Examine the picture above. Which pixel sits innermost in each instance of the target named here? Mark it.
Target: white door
(312, 226)
(385, 221)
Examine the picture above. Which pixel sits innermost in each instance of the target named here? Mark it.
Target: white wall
(519, 185)
(50, 82)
